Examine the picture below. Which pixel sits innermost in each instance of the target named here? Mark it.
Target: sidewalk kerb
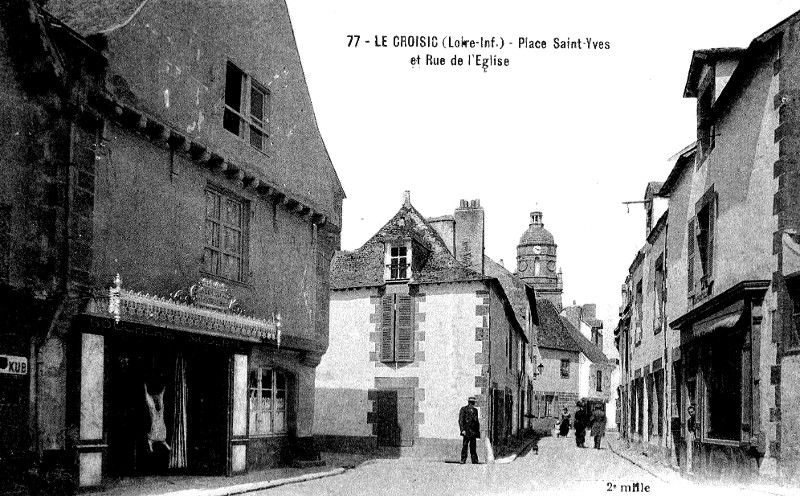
(254, 486)
(625, 457)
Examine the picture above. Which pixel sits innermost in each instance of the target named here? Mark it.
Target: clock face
(522, 266)
(551, 265)
(537, 249)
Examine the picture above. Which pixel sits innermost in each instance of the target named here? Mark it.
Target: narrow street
(558, 467)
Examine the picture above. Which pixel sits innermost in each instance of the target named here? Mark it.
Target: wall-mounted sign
(13, 365)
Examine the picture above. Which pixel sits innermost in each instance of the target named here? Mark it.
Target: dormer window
(398, 261)
(398, 265)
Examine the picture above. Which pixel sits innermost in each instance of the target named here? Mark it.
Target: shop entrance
(185, 385)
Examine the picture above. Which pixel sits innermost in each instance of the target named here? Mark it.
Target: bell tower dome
(536, 261)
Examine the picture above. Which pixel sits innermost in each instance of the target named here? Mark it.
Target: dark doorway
(133, 361)
(395, 417)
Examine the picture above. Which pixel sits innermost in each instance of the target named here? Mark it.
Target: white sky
(573, 133)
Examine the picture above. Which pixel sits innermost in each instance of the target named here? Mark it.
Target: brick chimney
(469, 234)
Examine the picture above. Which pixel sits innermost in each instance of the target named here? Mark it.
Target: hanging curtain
(177, 457)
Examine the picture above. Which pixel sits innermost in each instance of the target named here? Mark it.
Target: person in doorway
(154, 397)
(581, 421)
(470, 430)
(598, 422)
(563, 427)
(691, 434)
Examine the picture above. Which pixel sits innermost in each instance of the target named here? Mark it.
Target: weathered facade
(420, 321)
(730, 255)
(173, 213)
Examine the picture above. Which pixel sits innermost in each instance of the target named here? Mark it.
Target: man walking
(470, 429)
(598, 425)
(581, 421)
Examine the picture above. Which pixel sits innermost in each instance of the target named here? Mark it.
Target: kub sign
(13, 365)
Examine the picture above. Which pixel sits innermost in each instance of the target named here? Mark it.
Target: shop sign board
(16, 365)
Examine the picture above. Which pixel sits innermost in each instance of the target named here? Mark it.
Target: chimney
(573, 315)
(469, 234)
(589, 312)
(406, 198)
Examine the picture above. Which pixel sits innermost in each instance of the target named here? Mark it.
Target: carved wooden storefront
(183, 357)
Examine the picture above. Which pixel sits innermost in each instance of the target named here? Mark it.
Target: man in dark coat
(581, 422)
(598, 425)
(470, 430)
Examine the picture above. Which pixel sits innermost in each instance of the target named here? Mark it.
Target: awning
(194, 315)
(723, 319)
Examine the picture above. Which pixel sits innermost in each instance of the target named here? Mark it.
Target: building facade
(420, 321)
(173, 213)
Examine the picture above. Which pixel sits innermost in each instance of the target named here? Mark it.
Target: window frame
(273, 411)
(243, 229)
(565, 372)
(248, 124)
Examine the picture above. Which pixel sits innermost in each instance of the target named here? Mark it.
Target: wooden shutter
(405, 329)
(690, 256)
(712, 213)
(387, 329)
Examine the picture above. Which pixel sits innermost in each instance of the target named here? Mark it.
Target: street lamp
(540, 367)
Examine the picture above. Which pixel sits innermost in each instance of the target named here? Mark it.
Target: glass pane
(233, 87)
(280, 422)
(230, 121)
(212, 234)
(232, 240)
(212, 205)
(280, 381)
(401, 251)
(210, 261)
(266, 400)
(231, 267)
(401, 274)
(256, 138)
(394, 252)
(280, 400)
(257, 104)
(266, 380)
(233, 212)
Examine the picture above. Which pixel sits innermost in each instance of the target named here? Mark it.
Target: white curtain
(177, 457)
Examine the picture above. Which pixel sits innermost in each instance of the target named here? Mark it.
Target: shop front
(721, 421)
(164, 385)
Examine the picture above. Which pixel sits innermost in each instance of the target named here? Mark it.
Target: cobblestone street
(558, 467)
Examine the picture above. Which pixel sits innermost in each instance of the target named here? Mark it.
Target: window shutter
(712, 213)
(690, 256)
(387, 329)
(405, 328)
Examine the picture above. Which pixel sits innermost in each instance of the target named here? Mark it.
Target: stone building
(170, 216)
(537, 261)
(421, 320)
(730, 256)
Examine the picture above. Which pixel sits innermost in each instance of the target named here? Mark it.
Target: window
(599, 381)
(722, 376)
(246, 107)
(700, 244)
(397, 328)
(706, 130)
(660, 291)
(398, 262)
(226, 236)
(639, 309)
(565, 368)
(267, 402)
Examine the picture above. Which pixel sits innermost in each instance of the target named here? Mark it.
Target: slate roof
(556, 332)
(552, 332)
(585, 346)
(363, 267)
(518, 293)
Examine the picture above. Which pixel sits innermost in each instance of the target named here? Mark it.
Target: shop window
(268, 393)
(247, 105)
(397, 328)
(565, 368)
(225, 252)
(723, 392)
